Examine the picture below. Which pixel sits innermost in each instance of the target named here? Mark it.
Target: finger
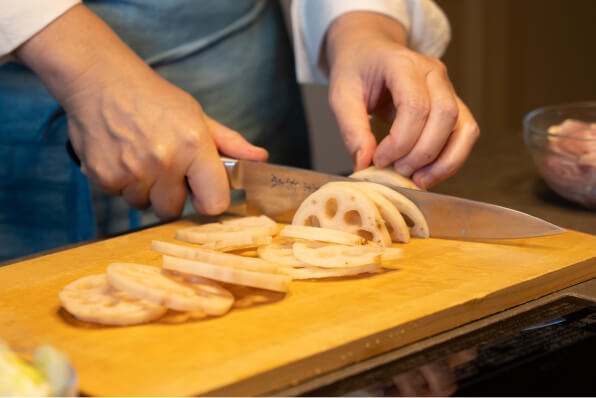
(454, 154)
(411, 384)
(462, 357)
(346, 99)
(208, 180)
(137, 195)
(411, 99)
(168, 195)
(439, 126)
(231, 143)
(106, 173)
(440, 379)
(107, 169)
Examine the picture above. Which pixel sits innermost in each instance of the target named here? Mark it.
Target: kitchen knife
(277, 191)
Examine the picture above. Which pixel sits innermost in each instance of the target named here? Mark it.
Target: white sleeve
(22, 19)
(426, 25)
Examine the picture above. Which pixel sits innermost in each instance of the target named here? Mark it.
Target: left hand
(373, 71)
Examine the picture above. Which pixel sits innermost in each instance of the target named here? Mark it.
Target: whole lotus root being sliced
(229, 229)
(175, 292)
(344, 208)
(384, 176)
(92, 299)
(411, 213)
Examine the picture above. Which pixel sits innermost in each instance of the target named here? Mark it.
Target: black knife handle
(72, 153)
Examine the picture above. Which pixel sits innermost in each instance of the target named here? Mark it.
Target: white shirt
(427, 26)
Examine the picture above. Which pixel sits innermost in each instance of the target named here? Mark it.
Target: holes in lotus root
(312, 221)
(365, 234)
(352, 217)
(408, 220)
(331, 208)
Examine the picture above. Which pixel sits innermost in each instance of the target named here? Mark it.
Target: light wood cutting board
(270, 340)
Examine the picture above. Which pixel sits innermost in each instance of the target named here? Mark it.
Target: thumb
(231, 143)
(349, 109)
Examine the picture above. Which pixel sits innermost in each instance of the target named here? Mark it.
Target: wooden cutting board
(270, 340)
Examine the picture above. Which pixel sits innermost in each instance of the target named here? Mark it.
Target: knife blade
(277, 191)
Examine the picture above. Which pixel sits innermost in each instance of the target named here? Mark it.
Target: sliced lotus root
(334, 256)
(92, 299)
(344, 208)
(229, 229)
(384, 176)
(238, 242)
(175, 292)
(411, 213)
(279, 253)
(275, 282)
(317, 272)
(322, 235)
(394, 221)
(392, 253)
(214, 257)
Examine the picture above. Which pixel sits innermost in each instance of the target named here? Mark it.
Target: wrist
(76, 52)
(361, 28)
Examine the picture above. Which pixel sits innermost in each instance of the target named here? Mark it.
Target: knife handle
(233, 172)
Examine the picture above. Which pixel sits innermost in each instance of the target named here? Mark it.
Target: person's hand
(373, 72)
(135, 133)
(142, 138)
(436, 379)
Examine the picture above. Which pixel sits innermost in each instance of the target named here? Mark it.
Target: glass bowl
(562, 141)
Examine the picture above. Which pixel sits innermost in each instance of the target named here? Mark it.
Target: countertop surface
(501, 171)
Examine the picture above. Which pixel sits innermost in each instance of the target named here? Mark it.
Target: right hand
(143, 138)
(135, 133)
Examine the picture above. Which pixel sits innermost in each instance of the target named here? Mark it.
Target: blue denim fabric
(233, 56)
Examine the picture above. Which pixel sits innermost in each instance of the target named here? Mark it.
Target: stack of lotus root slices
(341, 230)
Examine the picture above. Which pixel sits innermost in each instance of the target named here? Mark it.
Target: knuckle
(161, 157)
(448, 111)
(439, 66)
(474, 131)
(423, 156)
(190, 141)
(417, 105)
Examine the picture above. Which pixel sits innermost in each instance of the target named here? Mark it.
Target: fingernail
(404, 170)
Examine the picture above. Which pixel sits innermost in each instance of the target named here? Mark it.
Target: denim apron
(233, 56)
